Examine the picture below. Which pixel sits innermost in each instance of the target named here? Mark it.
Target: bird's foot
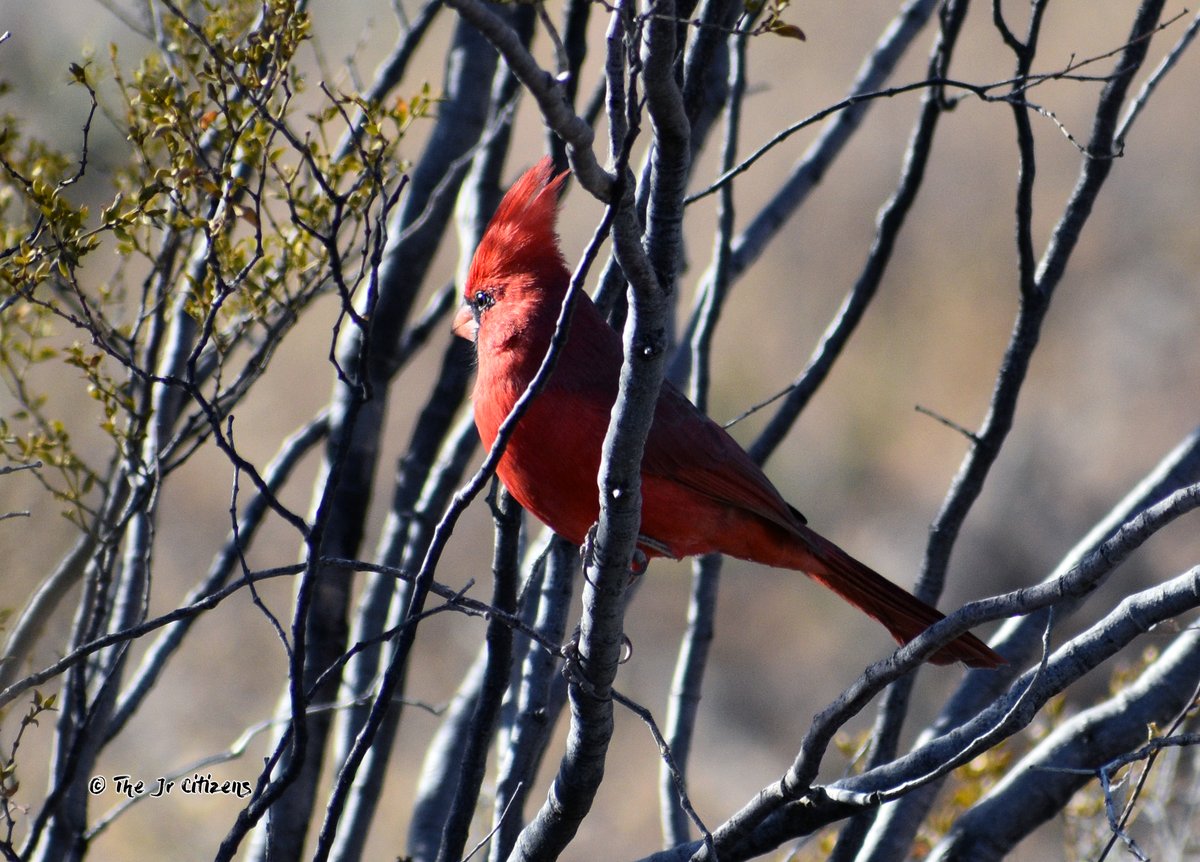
(587, 551)
(646, 548)
(572, 667)
(587, 554)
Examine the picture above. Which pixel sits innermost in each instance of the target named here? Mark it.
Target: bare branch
(549, 94)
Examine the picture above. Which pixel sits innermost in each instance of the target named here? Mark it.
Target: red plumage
(701, 492)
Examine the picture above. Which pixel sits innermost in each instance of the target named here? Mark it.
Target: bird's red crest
(520, 240)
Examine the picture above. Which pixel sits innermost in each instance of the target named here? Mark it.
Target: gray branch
(1038, 787)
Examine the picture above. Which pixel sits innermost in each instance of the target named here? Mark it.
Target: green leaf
(789, 31)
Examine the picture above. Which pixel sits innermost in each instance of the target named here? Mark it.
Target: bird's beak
(464, 323)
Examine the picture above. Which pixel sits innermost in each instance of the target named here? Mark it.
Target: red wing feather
(687, 447)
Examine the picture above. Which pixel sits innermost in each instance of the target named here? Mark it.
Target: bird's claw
(641, 553)
(572, 668)
(587, 554)
(587, 551)
(639, 564)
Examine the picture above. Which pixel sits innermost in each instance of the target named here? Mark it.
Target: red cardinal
(701, 492)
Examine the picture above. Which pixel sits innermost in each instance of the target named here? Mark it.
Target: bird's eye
(482, 300)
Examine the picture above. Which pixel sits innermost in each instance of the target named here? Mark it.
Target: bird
(701, 492)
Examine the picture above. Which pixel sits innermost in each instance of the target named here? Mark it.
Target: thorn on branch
(949, 423)
(766, 402)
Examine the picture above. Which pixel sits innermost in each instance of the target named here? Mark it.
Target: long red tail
(903, 614)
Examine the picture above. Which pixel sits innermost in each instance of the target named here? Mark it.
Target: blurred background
(1113, 388)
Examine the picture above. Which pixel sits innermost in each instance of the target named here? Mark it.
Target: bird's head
(518, 269)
